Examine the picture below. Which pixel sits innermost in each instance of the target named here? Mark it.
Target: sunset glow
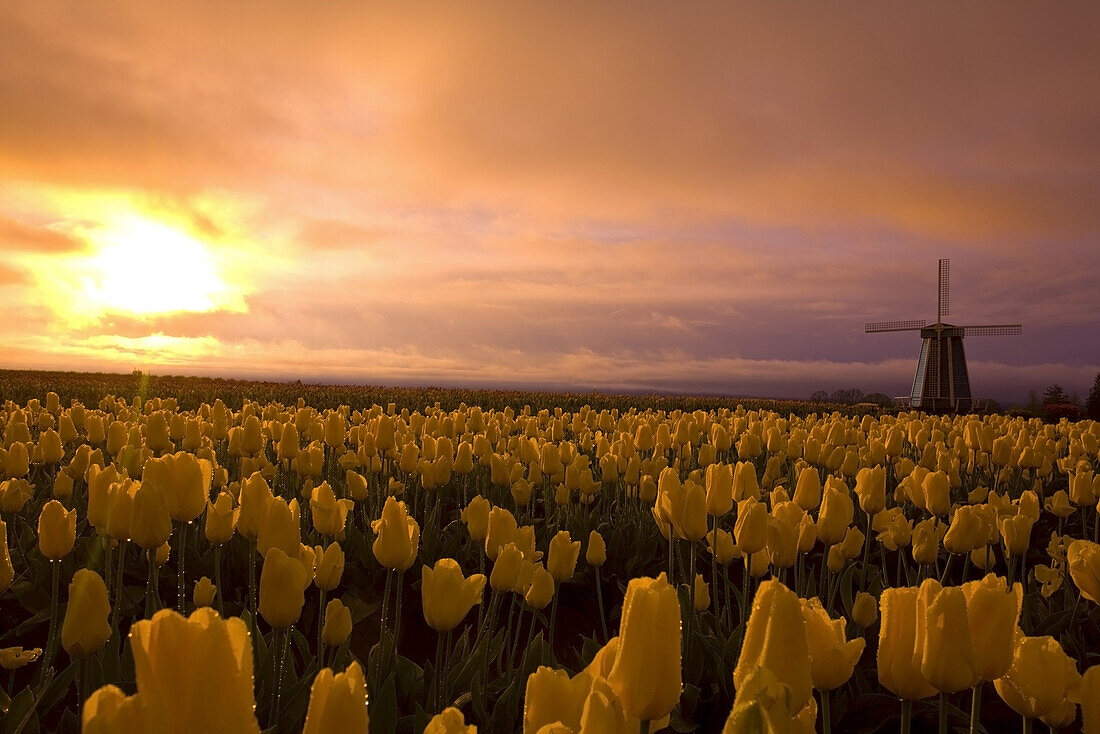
(713, 199)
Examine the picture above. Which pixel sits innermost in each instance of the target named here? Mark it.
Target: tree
(1092, 405)
(1054, 394)
(820, 396)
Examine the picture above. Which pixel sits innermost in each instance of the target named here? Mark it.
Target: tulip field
(187, 555)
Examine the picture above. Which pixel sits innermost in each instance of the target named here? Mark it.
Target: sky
(692, 198)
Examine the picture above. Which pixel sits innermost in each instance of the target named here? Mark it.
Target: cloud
(15, 236)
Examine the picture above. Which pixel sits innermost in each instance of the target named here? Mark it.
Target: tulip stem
(643, 727)
(180, 576)
(826, 714)
(150, 582)
(599, 600)
(975, 706)
(437, 678)
(282, 641)
(47, 658)
(670, 556)
(943, 713)
(906, 715)
(119, 589)
(1027, 725)
(866, 553)
(252, 600)
(320, 626)
(553, 623)
(218, 579)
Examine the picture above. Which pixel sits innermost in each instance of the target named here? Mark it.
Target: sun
(143, 267)
(140, 267)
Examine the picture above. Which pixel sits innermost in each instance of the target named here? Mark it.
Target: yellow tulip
(221, 519)
(937, 493)
(552, 696)
(110, 711)
(764, 704)
(330, 566)
(864, 609)
(832, 657)
(256, 498)
(506, 568)
(1015, 533)
(450, 720)
(719, 481)
(540, 590)
(1040, 679)
(56, 530)
(835, 515)
(338, 703)
(14, 493)
(150, 523)
(1083, 557)
(337, 626)
(967, 530)
(283, 582)
(398, 536)
(562, 560)
(646, 675)
(596, 552)
(700, 594)
(13, 658)
(85, 630)
(193, 674)
(447, 596)
(329, 514)
(1088, 695)
(807, 493)
(899, 656)
(476, 517)
(943, 638)
(500, 531)
(871, 489)
(205, 590)
(775, 638)
(751, 528)
(992, 611)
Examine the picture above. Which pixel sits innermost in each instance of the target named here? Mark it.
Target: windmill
(941, 383)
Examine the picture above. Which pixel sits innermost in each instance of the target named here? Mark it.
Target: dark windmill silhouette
(941, 383)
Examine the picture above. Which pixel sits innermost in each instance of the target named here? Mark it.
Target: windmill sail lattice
(942, 383)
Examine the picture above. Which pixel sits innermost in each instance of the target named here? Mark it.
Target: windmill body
(941, 383)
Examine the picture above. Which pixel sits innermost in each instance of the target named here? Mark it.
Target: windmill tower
(941, 383)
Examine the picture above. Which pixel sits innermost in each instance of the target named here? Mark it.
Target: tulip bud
(283, 581)
(719, 480)
(864, 609)
(338, 703)
(562, 560)
(1088, 695)
(337, 627)
(596, 552)
(835, 515)
(943, 633)
(807, 493)
(775, 638)
(506, 568)
(85, 630)
(899, 655)
(255, 499)
(281, 528)
(1015, 533)
(330, 566)
(646, 675)
(540, 591)
(447, 596)
(701, 594)
(992, 611)
(398, 536)
(751, 528)
(937, 493)
(501, 530)
(476, 517)
(871, 489)
(203, 595)
(56, 530)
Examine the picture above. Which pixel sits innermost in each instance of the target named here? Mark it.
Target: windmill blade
(944, 300)
(877, 326)
(992, 330)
